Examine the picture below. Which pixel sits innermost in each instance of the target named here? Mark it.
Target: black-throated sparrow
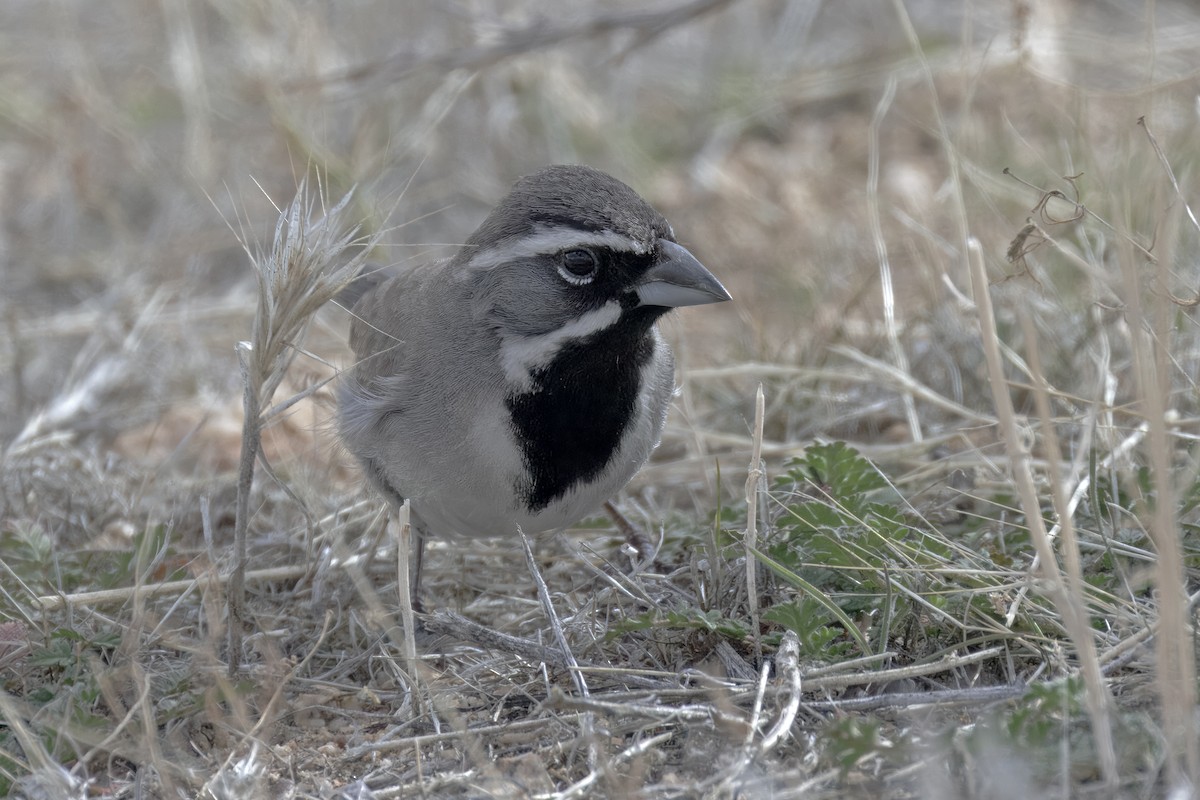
(522, 382)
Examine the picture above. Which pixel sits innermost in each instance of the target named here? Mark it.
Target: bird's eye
(578, 266)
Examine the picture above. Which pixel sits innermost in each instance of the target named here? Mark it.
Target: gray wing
(371, 276)
(378, 325)
(374, 393)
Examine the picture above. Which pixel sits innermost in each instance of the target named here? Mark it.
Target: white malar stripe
(521, 355)
(546, 241)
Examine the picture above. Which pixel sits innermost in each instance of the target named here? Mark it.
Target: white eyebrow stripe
(545, 241)
(521, 355)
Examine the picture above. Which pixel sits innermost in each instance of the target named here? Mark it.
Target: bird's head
(572, 249)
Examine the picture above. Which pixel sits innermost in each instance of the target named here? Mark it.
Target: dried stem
(295, 279)
(1069, 603)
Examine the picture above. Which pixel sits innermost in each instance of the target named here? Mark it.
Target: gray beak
(678, 279)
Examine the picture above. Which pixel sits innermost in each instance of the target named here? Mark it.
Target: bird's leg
(418, 561)
(634, 536)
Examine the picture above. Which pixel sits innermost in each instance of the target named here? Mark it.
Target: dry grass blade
(577, 677)
(1068, 597)
(46, 778)
(881, 252)
(756, 478)
(1166, 165)
(1151, 330)
(630, 753)
(402, 519)
(1100, 705)
(117, 597)
(787, 666)
(302, 271)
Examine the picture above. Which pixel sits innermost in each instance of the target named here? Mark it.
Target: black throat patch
(570, 423)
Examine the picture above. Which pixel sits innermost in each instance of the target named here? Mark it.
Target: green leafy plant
(862, 561)
(811, 622)
(848, 741)
(32, 557)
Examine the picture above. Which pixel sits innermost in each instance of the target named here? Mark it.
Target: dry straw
(303, 270)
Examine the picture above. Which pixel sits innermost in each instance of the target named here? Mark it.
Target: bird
(522, 382)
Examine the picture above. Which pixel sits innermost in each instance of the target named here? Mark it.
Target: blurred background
(832, 162)
(799, 147)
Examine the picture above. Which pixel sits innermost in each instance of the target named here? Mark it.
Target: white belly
(481, 500)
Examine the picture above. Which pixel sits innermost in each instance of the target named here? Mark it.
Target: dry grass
(960, 238)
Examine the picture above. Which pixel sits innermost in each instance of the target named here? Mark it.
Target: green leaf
(839, 469)
(816, 594)
(806, 619)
